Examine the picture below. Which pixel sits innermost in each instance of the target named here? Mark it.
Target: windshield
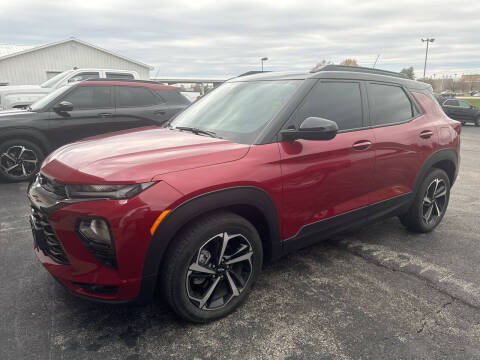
(41, 103)
(238, 111)
(51, 83)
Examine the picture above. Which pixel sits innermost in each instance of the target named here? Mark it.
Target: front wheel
(430, 203)
(20, 160)
(212, 266)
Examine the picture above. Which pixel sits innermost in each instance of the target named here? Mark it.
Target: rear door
(323, 179)
(402, 135)
(138, 106)
(93, 113)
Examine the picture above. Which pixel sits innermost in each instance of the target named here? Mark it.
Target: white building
(32, 65)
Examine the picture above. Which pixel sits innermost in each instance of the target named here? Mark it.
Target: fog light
(96, 236)
(95, 230)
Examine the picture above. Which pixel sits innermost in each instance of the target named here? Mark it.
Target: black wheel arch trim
(196, 206)
(31, 135)
(447, 154)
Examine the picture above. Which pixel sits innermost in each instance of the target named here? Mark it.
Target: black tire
(27, 163)
(423, 216)
(192, 247)
(477, 121)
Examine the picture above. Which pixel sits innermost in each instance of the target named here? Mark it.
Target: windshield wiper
(196, 131)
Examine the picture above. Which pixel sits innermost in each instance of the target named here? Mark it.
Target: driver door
(93, 113)
(323, 180)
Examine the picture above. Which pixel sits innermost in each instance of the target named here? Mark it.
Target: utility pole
(427, 40)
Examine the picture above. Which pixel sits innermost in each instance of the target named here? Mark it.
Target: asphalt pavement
(377, 292)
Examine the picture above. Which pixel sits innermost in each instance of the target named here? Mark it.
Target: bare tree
(321, 64)
(349, 62)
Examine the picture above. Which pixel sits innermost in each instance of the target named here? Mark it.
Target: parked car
(477, 94)
(73, 112)
(462, 110)
(21, 96)
(259, 167)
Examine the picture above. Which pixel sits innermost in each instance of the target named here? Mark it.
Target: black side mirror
(64, 106)
(312, 128)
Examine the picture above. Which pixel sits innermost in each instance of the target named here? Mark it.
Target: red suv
(261, 166)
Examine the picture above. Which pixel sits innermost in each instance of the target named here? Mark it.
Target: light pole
(262, 60)
(427, 40)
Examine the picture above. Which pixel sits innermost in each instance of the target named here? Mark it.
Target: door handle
(362, 145)
(105, 115)
(425, 134)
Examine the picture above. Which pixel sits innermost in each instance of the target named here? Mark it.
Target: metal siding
(31, 68)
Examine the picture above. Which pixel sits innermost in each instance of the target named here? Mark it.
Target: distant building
(471, 78)
(32, 65)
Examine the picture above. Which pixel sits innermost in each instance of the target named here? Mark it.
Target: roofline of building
(80, 42)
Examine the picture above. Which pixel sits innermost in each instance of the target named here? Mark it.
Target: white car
(21, 96)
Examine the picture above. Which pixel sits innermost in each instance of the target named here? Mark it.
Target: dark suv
(462, 110)
(260, 166)
(77, 111)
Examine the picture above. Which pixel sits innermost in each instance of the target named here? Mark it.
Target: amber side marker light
(158, 221)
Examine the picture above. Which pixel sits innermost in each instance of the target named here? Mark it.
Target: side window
(119, 76)
(129, 96)
(90, 97)
(389, 104)
(452, 103)
(337, 101)
(172, 97)
(464, 104)
(85, 76)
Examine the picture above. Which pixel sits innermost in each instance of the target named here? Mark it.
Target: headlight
(106, 191)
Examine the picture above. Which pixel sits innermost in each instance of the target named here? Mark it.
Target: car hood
(23, 89)
(137, 156)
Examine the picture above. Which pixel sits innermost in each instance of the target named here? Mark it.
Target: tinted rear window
(129, 96)
(111, 75)
(172, 97)
(452, 103)
(389, 104)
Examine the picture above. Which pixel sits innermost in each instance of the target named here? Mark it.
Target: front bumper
(130, 221)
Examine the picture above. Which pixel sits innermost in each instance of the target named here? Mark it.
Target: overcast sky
(222, 37)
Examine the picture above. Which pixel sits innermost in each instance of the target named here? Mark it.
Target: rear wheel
(430, 203)
(20, 160)
(212, 266)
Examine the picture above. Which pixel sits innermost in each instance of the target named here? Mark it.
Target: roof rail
(359, 69)
(124, 80)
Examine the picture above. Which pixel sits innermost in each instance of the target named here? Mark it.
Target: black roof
(340, 72)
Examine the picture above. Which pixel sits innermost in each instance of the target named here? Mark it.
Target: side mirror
(64, 106)
(312, 128)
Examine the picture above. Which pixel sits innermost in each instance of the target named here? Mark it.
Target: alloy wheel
(434, 201)
(219, 271)
(18, 161)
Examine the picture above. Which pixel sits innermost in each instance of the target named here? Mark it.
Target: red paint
(307, 181)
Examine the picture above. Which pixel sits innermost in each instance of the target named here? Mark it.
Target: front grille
(45, 236)
(52, 186)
